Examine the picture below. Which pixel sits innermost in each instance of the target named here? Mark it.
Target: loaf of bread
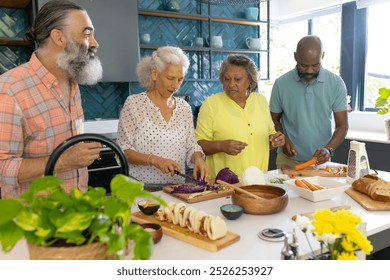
(374, 187)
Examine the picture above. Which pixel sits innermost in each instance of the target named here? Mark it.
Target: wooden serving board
(310, 172)
(185, 235)
(366, 202)
(185, 196)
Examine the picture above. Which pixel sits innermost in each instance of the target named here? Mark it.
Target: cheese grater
(358, 164)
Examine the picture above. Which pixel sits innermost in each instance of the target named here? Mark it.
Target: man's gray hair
(51, 16)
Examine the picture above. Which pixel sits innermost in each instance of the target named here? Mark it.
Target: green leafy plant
(383, 101)
(46, 216)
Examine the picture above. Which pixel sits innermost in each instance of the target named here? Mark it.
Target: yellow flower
(338, 231)
(346, 256)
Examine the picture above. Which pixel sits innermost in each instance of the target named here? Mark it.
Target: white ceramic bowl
(333, 188)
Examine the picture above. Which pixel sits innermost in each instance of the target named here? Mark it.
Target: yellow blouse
(221, 118)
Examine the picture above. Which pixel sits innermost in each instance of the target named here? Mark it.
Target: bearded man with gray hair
(40, 102)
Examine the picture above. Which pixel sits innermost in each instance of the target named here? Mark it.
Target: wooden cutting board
(185, 235)
(366, 202)
(185, 196)
(310, 172)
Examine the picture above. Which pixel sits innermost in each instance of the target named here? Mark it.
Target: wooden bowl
(155, 230)
(274, 199)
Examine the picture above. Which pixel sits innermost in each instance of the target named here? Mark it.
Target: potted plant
(383, 103)
(47, 216)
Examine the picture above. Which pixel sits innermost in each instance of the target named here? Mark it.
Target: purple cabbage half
(227, 176)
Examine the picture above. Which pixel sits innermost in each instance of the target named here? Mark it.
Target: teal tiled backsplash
(104, 100)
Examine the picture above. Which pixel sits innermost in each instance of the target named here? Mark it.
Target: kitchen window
(284, 38)
(377, 72)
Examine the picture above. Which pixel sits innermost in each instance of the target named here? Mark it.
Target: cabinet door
(116, 30)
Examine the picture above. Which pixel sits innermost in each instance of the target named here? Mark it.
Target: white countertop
(250, 246)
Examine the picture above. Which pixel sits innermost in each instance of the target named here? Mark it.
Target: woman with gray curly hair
(156, 129)
(234, 127)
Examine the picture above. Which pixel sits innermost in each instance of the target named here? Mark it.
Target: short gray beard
(79, 65)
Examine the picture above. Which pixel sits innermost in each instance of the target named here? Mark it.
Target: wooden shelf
(159, 13)
(13, 42)
(19, 4)
(207, 23)
(238, 21)
(206, 49)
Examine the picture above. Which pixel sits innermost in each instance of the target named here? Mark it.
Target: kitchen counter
(250, 246)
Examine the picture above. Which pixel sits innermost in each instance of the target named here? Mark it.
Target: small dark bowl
(155, 230)
(150, 209)
(231, 211)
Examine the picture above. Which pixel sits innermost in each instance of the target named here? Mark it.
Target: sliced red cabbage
(200, 186)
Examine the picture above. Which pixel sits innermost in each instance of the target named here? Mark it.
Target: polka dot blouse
(142, 128)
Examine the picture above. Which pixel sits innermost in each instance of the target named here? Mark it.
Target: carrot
(303, 165)
(311, 186)
(300, 184)
(319, 187)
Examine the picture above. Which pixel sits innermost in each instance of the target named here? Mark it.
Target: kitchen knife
(185, 175)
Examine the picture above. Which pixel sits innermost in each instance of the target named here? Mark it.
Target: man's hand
(79, 155)
(288, 148)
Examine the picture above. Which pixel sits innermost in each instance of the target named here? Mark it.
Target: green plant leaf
(152, 197)
(114, 205)
(99, 227)
(71, 221)
(9, 208)
(125, 188)
(10, 234)
(383, 101)
(74, 237)
(46, 184)
(384, 93)
(143, 242)
(27, 221)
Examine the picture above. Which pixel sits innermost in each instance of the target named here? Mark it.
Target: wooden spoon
(223, 183)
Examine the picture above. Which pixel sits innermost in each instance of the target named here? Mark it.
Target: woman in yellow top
(234, 127)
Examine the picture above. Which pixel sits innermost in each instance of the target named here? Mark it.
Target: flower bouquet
(336, 231)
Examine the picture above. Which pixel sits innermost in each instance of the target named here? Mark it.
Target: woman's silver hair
(246, 63)
(51, 16)
(159, 59)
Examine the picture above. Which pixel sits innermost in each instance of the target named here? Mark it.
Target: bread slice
(374, 187)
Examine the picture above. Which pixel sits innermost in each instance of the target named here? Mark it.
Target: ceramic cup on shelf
(198, 42)
(215, 42)
(252, 13)
(172, 6)
(253, 43)
(145, 38)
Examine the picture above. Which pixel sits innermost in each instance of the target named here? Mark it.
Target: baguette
(374, 187)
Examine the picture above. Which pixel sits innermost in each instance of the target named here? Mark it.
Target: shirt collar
(47, 78)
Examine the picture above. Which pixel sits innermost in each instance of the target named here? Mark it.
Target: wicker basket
(93, 251)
